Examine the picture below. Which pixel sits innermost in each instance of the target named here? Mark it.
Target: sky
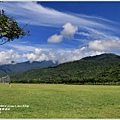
(62, 31)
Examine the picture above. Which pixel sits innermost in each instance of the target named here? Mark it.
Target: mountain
(104, 56)
(25, 66)
(89, 70)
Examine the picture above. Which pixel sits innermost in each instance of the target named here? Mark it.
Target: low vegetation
(60, 101)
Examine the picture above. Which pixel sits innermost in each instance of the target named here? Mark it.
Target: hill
(24, 66)
(88, 70)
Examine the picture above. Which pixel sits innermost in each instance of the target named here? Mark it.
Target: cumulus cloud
(76, 54)
(37, 51)
(41, 54)
(106, 45)
(68, 32)
(60, 55)
(7, 56)
(55, 38)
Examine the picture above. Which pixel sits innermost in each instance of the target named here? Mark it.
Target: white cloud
(94, 27)
(39, 15)
(96, 34)
(21, 47)
(55, 38)
(66, 55)
(99, 30)
(8, 56)
(75, 54)
(69, 30)
(37, 51)
(84, 33)
(106, 45)
(30, 56)
(40, 54)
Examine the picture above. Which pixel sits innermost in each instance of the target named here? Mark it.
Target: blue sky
(63, 31)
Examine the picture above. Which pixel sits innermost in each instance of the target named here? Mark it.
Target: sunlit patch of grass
(60, 101)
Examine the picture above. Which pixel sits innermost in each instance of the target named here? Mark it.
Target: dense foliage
(102, 69)
(9, 29)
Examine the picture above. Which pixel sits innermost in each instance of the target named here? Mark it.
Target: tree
(9, 29)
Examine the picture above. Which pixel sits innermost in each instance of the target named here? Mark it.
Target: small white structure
(5, 79)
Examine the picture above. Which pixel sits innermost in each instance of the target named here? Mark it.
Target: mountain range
(24, 66)
(100, 69)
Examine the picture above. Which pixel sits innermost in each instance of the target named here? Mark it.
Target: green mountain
(24, 66)
(89, 70)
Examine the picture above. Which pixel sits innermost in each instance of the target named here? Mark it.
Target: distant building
(5, 79)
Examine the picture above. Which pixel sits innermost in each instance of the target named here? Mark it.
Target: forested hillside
(100, 69)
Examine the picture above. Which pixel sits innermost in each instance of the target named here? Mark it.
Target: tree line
(101, 71)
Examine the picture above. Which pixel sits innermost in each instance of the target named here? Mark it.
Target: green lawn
(60, 101)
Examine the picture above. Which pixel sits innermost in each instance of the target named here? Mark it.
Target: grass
(60, 101)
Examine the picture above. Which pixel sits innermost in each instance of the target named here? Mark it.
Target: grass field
(60, 101)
